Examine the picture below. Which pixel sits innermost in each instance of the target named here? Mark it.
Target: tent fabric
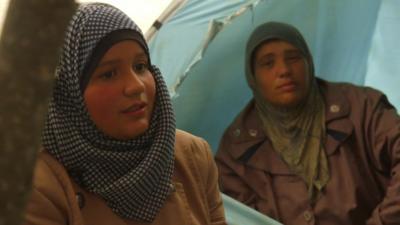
(186, 36)
(384, 59)
(200, 51)
(239, 214)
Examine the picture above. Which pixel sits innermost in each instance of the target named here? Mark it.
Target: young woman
(308, 151)
(111, 152)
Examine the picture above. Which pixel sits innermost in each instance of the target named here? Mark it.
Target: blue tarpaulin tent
(200, 51)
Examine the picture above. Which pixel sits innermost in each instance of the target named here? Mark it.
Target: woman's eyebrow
(141, 55)
(108, 62)
(267, 56)
(293, 51)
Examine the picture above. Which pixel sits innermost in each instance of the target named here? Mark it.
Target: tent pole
(167, 13)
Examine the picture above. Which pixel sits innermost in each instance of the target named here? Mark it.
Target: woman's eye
(140, 68)
(267, 63)
(293, 58)
(108, 75)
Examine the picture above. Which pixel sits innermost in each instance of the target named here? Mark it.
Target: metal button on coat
(334, 108)
(307, 215)
(253, 132)
(171, 188)
(236, 133)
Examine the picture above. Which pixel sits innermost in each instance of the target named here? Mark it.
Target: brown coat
(363, 150)
(56, 199)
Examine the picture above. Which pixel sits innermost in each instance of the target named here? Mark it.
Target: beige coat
(363, 150)
(56, 199)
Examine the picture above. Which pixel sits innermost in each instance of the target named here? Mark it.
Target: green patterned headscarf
(297, 133)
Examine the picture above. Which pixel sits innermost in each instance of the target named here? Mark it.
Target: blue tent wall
(201, 50)
(384, 59)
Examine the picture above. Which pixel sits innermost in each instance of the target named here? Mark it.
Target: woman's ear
(252, 82)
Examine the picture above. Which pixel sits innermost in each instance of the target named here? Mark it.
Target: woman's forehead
(127, 48)
(275, 46)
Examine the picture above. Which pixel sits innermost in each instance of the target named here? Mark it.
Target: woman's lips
(137, 109)
(287, 87)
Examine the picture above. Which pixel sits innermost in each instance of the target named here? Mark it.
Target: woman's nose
(133, 84)
(282, 69)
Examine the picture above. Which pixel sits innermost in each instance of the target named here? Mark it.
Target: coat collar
(336, 103)
(246, 130)
(337, 110)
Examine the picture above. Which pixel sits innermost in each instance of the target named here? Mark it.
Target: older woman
(308, 151)
(111, 152)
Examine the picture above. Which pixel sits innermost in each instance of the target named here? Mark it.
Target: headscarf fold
(298, 133)
(132, 176)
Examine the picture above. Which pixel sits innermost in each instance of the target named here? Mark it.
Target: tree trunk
(29, 50)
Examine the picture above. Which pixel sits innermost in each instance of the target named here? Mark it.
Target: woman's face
(121, 92)
(281, 73)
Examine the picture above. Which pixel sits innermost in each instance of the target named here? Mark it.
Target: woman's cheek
(101, 102)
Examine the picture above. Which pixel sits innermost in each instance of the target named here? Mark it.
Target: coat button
(236, 133)
(307, 215)
(334, 108)
(171, 188)
(80, 199)
(253, 132)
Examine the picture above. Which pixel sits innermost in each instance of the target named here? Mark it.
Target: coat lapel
(251, 146)
(337, 109)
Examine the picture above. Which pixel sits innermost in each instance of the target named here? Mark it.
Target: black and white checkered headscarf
(132, 176)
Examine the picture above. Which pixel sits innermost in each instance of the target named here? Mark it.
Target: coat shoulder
(52, 193)
(193, 154)
(352, 91)
(186, 143)
(48, 176)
